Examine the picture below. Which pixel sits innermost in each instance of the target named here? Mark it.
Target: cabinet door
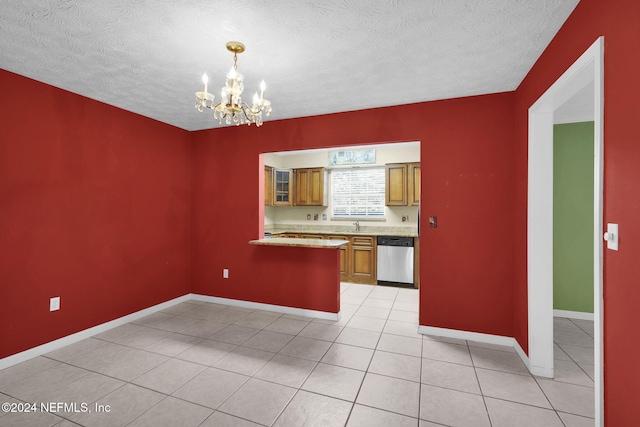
(268, 186)
(414, 184)
(310, 187)
(282, 187)
(363, 259)
(363, 263)
(396, 185)
(344, 254)
(315, 192)
(301, 179)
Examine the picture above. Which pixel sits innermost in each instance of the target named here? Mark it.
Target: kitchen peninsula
(305, 243)
(359, 252)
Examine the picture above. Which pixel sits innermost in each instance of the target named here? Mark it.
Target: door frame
(588, 69)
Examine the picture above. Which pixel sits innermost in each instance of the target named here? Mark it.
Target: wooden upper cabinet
(282, 187)
(414, 184)
(396, 184)
(310, 187)
(317, 189)
(301, 179)
(268, 186)
(402, 184)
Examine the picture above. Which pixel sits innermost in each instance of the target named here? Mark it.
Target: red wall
(94, 208)
(467, 181)
(227, 212)
(618, 22)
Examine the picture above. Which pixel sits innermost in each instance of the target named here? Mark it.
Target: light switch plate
(54, 304)
(612, 237)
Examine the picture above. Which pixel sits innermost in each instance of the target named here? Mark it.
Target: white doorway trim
(588, 69)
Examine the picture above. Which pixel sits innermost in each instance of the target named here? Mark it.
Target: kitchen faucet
(357, 224)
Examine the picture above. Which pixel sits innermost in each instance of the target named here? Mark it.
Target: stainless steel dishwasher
(395, 261)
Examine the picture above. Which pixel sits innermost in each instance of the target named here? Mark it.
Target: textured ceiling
(317, 56)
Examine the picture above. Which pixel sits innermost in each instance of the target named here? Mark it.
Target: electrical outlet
(225, 273)
(54, 304)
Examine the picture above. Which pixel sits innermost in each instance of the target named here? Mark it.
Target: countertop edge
(348, 233)
(305, 243)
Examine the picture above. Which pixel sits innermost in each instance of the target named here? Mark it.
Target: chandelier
(231, 109)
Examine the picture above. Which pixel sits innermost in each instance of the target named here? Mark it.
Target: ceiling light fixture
(231, 109)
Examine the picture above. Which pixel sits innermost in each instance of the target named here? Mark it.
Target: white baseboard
(466, 335)
(578, 315)
(268, 307)
(479, 337)
(79, 336)
(541, 372)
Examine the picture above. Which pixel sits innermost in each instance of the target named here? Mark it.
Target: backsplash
(364, 229)
(306, 215)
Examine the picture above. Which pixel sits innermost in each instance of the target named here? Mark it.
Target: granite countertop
(399, 233)
(306, 243)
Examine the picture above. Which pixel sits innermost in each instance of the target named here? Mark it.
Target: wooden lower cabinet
(344, 256)
(357, 259)
(358, 262)
(363, 264)
(312, 236)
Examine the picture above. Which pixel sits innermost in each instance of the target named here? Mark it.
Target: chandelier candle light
(231, 109)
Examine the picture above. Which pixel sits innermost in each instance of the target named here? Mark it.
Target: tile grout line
(353, 404)
(475, 371)
(548, 400)
(574, 361)
(365, 374)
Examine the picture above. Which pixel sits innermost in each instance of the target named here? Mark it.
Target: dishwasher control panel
(395, 241)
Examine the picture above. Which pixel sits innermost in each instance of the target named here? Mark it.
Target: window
(357, 193)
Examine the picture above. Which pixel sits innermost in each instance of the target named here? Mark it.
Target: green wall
(573, 217)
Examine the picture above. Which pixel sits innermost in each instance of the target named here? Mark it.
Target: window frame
(381, 196)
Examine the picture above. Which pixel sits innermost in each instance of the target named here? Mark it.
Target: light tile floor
(201, 364)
